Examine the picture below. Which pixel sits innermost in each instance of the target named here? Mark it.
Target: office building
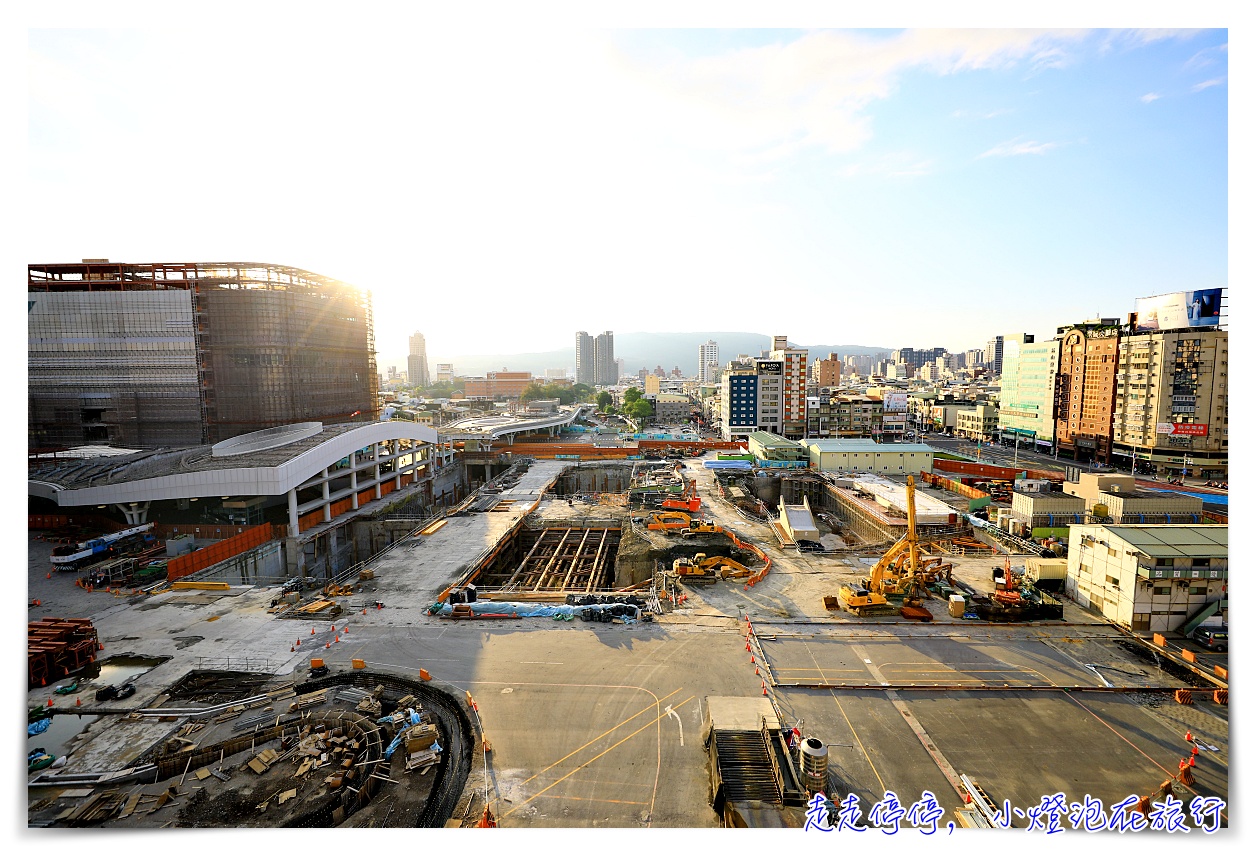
(793, 381)
(1172, 402)
(181, 354)
(708, 359)
(606, 372)
(586, 363)
(1085, 389)
(417, 362)
(994, 356)
(1027, 392)
(444, 372)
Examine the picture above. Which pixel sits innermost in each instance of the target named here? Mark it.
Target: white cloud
(977, 114)
(777, 99)
(1208, 56)
(1015, 147)
(1150, 97)
(1200, 87)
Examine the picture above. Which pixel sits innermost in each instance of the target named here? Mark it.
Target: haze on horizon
(499, 191)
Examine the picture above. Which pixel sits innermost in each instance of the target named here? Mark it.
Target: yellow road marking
(595, 757)
(657, 701)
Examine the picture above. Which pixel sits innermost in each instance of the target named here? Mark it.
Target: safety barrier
(190, 563)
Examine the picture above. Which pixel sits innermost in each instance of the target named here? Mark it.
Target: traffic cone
(747, 645)
(346, 629)
(78, 702)
(328, 645)
(298, 641)
(364, 611)
(1194, 752)
(378, 606)
(292, 649)
(1190, 738)
(333, 628)
(752, 658)
(765, 689)
(100, 646)
(49, 575)
(1191, 761)
(311, 631)
(756, 670)
(337, 638)
(50, 702)
(43, 682)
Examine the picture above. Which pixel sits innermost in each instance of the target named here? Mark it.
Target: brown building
(1085, 389)
(502, 384)
(829, 371)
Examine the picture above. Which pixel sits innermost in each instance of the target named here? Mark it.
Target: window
(1199, 563)
(1161, 590)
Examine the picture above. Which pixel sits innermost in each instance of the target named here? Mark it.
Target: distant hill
(638, 350)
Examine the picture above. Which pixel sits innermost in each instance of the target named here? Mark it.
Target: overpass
(489, 429)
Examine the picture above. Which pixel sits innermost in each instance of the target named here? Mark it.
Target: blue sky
(500, 189)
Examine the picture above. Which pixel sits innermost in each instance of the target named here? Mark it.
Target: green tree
(639, 409)
(532, 392)
(581, 391)
(604, 400)
(631, 395)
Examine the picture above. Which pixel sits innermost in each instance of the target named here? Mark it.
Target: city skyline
(983, 173)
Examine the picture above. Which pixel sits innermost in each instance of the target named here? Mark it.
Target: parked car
(1212, 638)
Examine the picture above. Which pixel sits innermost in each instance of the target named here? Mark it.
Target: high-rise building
(708, 357)
(994, 356)
(606, 373)
(1085, 389)
(1027, 390)
(444, 372)
(417, 362)
(181, 354)
(828, 371)
(586, 363)
(793, 422)
(1172, 403)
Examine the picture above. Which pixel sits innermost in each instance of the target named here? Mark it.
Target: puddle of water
(114, 671)
(59, 733)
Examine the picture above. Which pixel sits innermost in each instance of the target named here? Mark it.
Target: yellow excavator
(707, 569)
(678, 520)
(898, 572)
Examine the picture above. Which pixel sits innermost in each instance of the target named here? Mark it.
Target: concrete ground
(598, 725)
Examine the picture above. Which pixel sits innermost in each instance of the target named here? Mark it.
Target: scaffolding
(560, 560)
(153, 355)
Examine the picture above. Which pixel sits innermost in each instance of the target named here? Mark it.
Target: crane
(899, 571)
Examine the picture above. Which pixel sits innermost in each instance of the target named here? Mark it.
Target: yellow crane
(898, 572)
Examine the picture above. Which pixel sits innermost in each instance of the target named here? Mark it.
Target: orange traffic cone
(756, 670)
(364, 611)
(43, 682)
(311, 631)
(333, 628)
(50, 702)
(765, 689)
(100, 646)
(1190, 738)
(747, 645)
(337, 638)
(78, 702)
(49, 575)
(328, 645)
(292, 649)
(298, 641)
(752, 658)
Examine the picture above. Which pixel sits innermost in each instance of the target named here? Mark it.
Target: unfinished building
(161, 354)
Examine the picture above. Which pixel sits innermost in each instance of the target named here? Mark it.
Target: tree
(639, 409)
(581, 391)
(632, 394)
(532, 392)
(604, 400)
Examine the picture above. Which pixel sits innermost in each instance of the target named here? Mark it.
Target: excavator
(688, 524)
(707, 569)
(899, 572)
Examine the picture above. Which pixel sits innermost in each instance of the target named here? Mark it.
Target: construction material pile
(57, 647)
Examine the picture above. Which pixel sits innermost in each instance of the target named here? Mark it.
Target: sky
(500, 187)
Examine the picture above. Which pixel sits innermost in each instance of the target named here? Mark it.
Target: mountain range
(638, 350)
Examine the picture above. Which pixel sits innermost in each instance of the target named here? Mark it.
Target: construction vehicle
(668, 520)
(707, 569)
(898, 573)
(73, 557)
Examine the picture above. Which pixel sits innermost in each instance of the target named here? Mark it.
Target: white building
(708, 358)
(1150, 578)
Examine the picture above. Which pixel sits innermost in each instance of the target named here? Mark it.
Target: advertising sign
(1164, 427)
(769, 367)
(894, 402)
(1179, 309)
(894, 418)
(1182, 429)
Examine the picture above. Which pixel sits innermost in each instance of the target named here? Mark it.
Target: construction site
(620, 644)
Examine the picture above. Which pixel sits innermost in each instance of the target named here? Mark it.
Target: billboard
(894, 402)
(894, 419)
(1182, 429)
(1179, 309)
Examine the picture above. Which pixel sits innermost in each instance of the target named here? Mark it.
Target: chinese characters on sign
(1049, 816)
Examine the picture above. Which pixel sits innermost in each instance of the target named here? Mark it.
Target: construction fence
(197, 560)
